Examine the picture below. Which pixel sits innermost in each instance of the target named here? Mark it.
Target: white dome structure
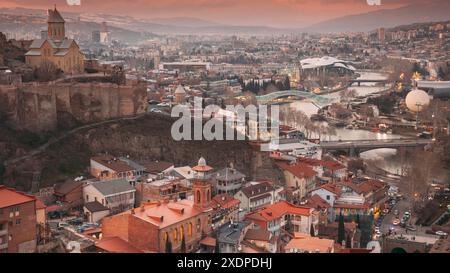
(202, 161)
(180, 90)
(417, 100)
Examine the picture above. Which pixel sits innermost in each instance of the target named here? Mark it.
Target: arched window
(166, 236)
(198, 197)
(189, 229)
(208, 195)
(199, 225)
(180, 234)
(174, 233)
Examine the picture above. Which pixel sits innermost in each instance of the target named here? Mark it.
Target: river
(386, 159)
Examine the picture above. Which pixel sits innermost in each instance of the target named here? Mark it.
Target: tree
(348, 242)
(183, 245)
(341, 229)
(168, 245)
(46, 71)
(312, 231)
(217, 247)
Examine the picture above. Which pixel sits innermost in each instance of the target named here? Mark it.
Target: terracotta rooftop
(305, 242)
(224, 201)
(163, 214)
(157, 166)
(113, 163)
(116, 245)
(10, 197)
(278, 210)
(258, 235)
(208, 241)
(331, 188)
(300, 170)
(317, 202)
(257, 189)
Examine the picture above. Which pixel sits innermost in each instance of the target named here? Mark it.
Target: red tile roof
(40, 204)
(224, 201)
(278, 210)
(208, 241)
(10, 197)
(351, 206)
(299, 170)
(116, 245)
(317, 202)
(331, 188)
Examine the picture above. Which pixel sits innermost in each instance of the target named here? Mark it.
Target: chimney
(132, 211)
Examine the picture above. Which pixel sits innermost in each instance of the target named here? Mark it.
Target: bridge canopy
(319, 100)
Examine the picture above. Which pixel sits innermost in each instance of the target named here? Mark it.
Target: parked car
(396, 212)
(386, 211)
(62, 225)
(396, 222)
(154, 110)
(441, 233)
(411, 228)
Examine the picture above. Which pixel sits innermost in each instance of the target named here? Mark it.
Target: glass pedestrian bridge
(318, 100)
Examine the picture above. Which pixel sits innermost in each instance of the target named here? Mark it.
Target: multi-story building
(284, 215)
(150, 227)
(255, 196)
(18, 221)
(117, 195)
(228, 180)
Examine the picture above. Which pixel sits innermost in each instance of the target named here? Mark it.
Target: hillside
(414, 13)
(145, 138)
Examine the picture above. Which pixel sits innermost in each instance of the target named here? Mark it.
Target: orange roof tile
(300, 170)
(208, 241)
(10, 197)
(116, 245)
(278, 210)
(311, 244)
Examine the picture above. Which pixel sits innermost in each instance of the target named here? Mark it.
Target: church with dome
(151, 226)
(63, 52)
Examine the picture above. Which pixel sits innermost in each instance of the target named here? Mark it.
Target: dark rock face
(146, 138)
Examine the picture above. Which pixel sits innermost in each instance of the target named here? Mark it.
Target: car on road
(62, 225)
(396, 222)
(396, 212)
(411, 228)
(441, 233)
(154, 110)
(386, 211)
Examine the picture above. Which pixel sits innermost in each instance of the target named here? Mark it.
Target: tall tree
(217, 247)
(168, 245)
(312, 231)
(341, 229)
(183, 245)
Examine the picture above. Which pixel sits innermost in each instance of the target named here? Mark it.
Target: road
(64, 135)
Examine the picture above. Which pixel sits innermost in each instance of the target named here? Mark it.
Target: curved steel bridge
(318, 100)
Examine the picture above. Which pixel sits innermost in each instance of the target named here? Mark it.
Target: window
(87, 197)
(174, 233)
(198, 225)
(328, 197)
(189, 229)
(95, 198)
(18, 221)
(198, 197)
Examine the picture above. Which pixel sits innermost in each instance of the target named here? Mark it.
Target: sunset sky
(282, 13)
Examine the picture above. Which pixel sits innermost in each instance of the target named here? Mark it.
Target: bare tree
(46, 71)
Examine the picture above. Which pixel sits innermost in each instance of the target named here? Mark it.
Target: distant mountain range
(414, 13)
(435, 11)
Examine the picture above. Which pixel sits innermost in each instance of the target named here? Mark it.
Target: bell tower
(202, 185)
(56, 25)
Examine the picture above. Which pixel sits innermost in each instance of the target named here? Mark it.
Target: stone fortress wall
(40, 107)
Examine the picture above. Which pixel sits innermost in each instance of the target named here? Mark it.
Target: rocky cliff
(145, 138)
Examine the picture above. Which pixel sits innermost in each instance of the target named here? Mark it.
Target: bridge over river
(354, 147)
(318, 100)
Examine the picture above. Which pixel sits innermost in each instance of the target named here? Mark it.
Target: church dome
(201, 161)
(180, 90)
